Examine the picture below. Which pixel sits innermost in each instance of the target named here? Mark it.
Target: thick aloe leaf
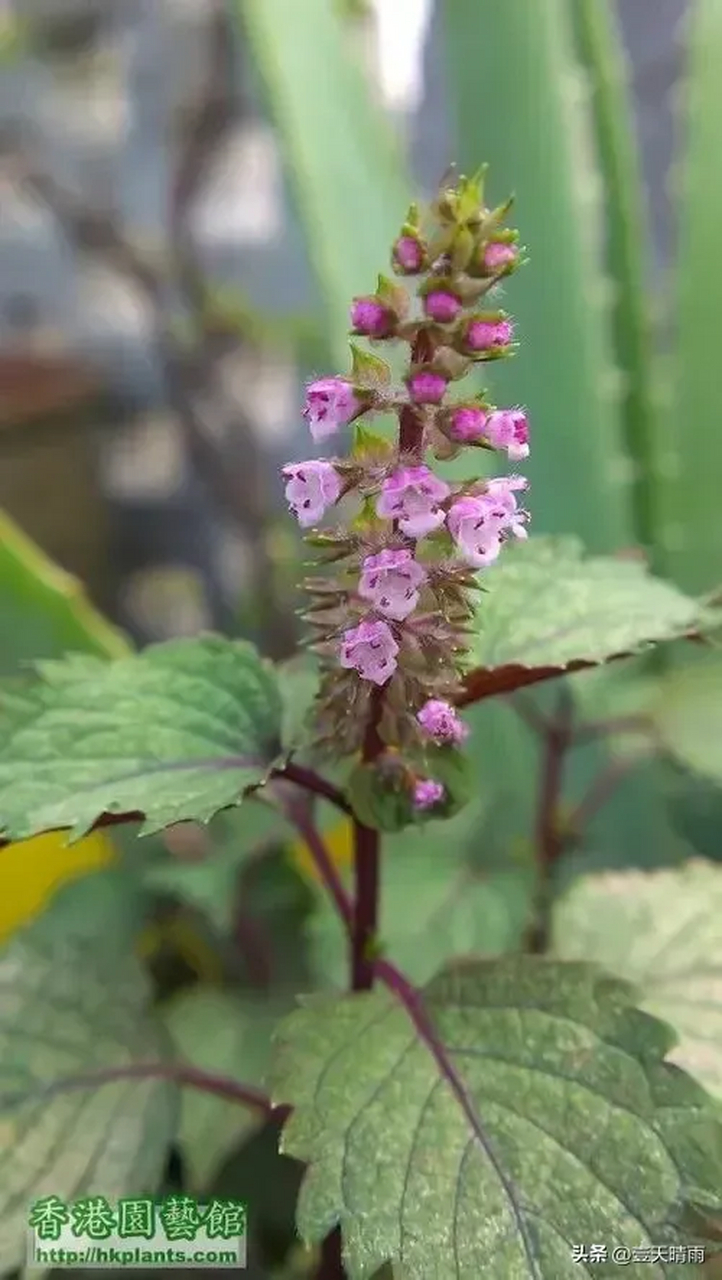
(349, 177)
(519, 103)
(603, 58)
(43, 610)
(691, 530)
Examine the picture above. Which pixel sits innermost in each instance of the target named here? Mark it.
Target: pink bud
(442, 306)
(427, 387)
(427, 793)
(370, 649)
(468, 423)
(440, 722)
(509, 429)
(408, 255)
(330, 404)
(370, 318)
(391, 581)
(498, 255)
(312, 488)
(485, 335)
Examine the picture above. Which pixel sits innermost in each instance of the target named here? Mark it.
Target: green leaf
(73, 1002)
(547, 608)
(44, 610)
(687, 713)
(514, 1108)
(368, 370)
(211, 885)
(218, 1033)
(564, 371)
(177, 732)
(341, 156)
(661, 930)
(298, 680)
(434, 906)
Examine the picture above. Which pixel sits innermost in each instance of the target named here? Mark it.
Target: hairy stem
(311, 781)
(366, 870)
(557, 738)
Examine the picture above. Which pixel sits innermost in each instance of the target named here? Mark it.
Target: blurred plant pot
(50, 409)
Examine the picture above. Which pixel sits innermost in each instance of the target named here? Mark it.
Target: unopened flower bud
(371, 319)
(427, 387)
(408, 255)
(441, 723)
(467, 423)
(427, 793)
(498, 255)
(442, 306)
(486, 335)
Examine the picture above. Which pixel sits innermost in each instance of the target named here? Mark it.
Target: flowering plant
(468, 1118)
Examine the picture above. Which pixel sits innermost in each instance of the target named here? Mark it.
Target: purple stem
(311, 781)
(324, 863)
(177, 1073)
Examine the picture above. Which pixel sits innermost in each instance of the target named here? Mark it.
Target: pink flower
(408, 254)
(509, 429)
(427, 388)
(370, 318)
(442, 306)
(412, 496)
(312, 488)
(500, 499)
(475, 530)
(498, 255)
(486, 335)
(468, 422)
(427, 793)
(371, 650)
(439, 721)
(391, 581)
(330, 404)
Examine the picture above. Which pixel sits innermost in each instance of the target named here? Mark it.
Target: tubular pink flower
(475, 530)
(391, 581)
(312, 488)
(442, 306)
(509, 429)
(370, 318)
(441, 723)
(427, 793)
(408, 254)
(370, 649)
(330, 404)
(412, 496)
(426, 387)
(499, 497)
(468, 423)
(487, 335)
(498, 255)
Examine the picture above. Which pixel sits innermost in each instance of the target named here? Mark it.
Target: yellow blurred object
(338, 841)
(181, 937)
(31, 872)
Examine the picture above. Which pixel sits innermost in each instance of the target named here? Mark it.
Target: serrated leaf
(546, 608)
(73, 1002)
(687, 713)
(219, 1033)
(661, 930)
(177, 732)
(525, 1107)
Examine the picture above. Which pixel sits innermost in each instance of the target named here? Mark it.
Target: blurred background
(172, 177)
